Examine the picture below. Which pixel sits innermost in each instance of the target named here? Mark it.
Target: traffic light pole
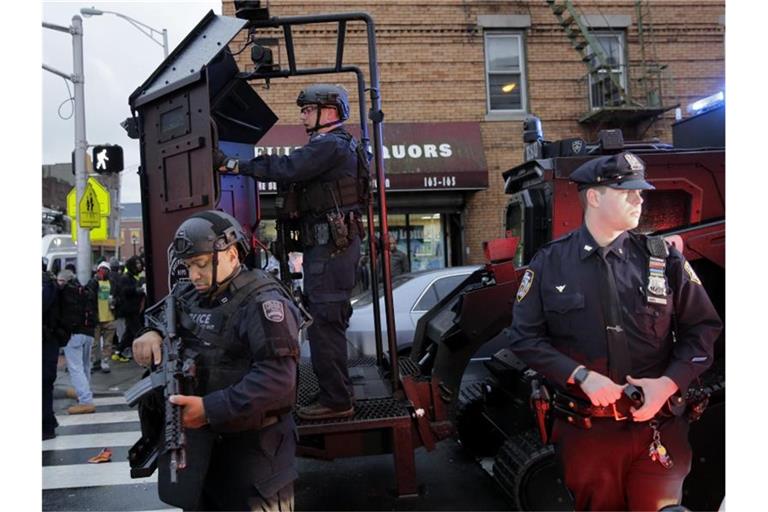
(81, 145)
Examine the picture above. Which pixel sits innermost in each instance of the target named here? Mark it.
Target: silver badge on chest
(657, 281)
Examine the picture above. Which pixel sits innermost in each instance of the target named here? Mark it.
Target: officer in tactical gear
(327, 189)
(243, 327)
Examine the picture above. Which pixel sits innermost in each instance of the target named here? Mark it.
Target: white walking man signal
(102, 159)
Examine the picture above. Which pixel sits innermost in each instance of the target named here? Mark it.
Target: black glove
(219, 159)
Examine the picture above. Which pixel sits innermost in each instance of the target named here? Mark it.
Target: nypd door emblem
(525, 284)
(576, 145)
(273, 310)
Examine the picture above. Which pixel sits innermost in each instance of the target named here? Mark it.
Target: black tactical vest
(209, 331)
(349, 192)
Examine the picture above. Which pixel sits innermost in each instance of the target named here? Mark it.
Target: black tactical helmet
(209, 231)
(326, 94)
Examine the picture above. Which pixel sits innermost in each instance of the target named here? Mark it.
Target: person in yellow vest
(104, 332)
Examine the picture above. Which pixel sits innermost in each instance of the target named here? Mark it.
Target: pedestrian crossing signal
(107, 159)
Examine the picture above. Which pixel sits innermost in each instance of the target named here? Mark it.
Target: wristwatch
(231, 164)
(580, 376)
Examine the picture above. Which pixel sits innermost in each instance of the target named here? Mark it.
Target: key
(664, 457)
(653, 453)
(657, 451)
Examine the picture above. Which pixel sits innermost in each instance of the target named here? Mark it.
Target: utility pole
(81, 144)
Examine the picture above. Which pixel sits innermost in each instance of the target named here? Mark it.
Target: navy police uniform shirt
(558, 323)
(328, 276)
(326, 157)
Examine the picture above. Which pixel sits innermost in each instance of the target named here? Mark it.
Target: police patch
(273, 310)
(525, 284)
(691, 274)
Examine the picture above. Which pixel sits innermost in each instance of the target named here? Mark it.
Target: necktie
(619, 363)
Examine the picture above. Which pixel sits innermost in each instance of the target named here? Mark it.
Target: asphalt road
(448, 478)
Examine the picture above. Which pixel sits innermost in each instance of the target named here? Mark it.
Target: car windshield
(366, 298)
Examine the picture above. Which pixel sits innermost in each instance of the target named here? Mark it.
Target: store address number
(439, 181)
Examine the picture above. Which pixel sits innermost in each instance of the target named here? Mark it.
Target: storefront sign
(417, 156)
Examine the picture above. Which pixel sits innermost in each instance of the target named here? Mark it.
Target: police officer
(237, 418)
(601, 308)
(329, 179)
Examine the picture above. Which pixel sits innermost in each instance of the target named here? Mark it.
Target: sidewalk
(122, 377)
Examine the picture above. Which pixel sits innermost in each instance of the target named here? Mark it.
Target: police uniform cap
(622, 171)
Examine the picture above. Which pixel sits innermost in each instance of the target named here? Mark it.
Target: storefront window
(427, 237)
(421, 236)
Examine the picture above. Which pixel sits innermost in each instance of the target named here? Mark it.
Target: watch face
(231, 163)
(581, 375)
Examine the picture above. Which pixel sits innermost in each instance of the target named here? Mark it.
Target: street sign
(102, 196)
(89, 210)
(99, 232)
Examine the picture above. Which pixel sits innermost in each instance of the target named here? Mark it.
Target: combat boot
(317, 411)
(82, 409)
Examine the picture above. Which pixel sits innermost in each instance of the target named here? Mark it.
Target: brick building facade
(438, 61)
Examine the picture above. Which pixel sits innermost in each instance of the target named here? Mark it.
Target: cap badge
(633, 162)
(560, 288)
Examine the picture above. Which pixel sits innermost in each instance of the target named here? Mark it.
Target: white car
(413, 294)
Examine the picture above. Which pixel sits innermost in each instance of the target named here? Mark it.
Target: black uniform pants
(608, 468)
(50, 360)
(133, 324)
(328, 344)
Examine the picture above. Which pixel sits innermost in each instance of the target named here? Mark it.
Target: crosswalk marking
(109, 400)
(66, 420)
(73, 442)
(91, 475)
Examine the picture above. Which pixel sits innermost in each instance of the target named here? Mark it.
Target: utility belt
(580, 412)
(336, 227)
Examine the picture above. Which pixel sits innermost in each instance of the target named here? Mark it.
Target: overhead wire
(71, 99)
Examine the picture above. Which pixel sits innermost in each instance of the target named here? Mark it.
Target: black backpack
(77, 307)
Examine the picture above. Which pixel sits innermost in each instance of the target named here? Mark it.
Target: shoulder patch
(691, 274)
(525, 284)
(273, 310)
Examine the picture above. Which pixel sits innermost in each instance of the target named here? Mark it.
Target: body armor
(223, 360)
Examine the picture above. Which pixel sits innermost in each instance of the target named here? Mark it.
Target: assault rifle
(171, 375)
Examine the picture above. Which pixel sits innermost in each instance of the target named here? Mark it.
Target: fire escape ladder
(591, 51)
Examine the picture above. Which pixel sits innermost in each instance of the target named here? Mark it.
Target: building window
(504, 67)
(603, 91)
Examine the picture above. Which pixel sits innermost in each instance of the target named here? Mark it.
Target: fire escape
(618, 95)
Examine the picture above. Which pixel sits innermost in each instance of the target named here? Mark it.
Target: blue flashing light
(707, 103)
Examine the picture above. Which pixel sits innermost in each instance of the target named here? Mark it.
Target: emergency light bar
(706, 103)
